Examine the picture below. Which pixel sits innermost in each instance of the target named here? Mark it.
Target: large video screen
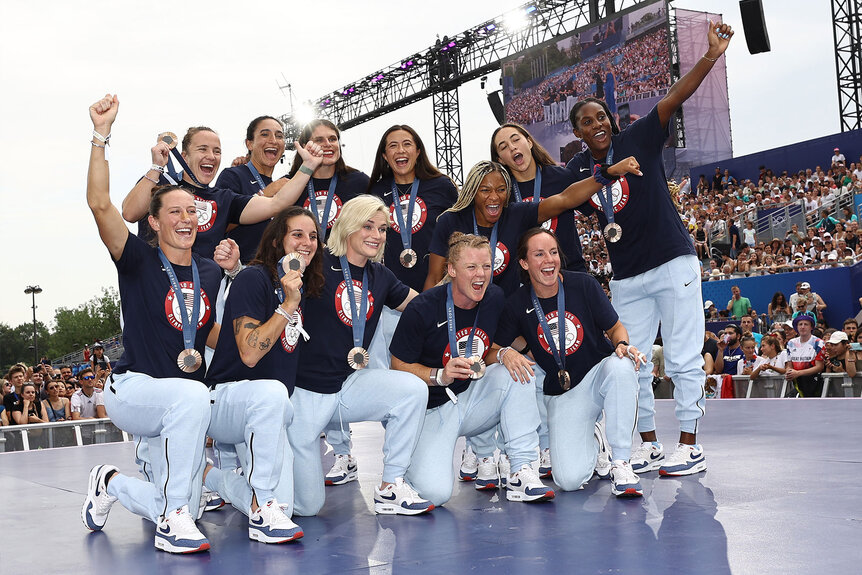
(624, 60)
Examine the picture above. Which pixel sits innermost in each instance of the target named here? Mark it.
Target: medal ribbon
(256, 175)
(186, 169)
(312, 202)
(537, 187)
(493, 239)
(358, 320)
(606, 195)
(450, 325)
(190, 325)
(406, 230)
(557, 349)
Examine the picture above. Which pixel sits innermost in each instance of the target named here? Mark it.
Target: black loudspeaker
(754, 26)
(495, 101)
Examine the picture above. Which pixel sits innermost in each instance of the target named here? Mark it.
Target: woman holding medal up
(334, 385)
(156, 388)
(333, 183)
(656, 272)
(585, 373)
(443, 338)
(254, 369)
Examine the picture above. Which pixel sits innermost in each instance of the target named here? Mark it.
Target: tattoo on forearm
(236, 328)
(264, 345)
(252, 339)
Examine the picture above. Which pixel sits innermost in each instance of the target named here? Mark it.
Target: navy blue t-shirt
(731, 358)
(323, 363)
(433, 197)
(653, 232)
(152, 328)
(253, 294)
(348, 187)
(517, 218)
(555, 179)
(588, 315)
(216, 209)
(239, 179)
(422, 335)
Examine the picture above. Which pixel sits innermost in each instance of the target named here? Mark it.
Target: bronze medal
(565, 380)
(293, 262)
(169, 138)
(613, 232)
(477, 366)
(408, 258)
(189, 360)
(358, 358)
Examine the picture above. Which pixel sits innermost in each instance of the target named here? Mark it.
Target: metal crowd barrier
(834, 385)
(60, 434)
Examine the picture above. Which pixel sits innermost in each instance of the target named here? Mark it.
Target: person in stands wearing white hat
(837, 357)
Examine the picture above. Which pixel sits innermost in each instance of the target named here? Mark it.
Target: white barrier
(59, 434)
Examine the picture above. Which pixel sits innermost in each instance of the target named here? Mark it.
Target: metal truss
(847, 32)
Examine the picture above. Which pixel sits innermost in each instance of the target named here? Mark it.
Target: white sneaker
(342, 471)
(504, 469)
(525, 485)
(685, 460)
(269, 524)
(603, 461)
(469, 465)
(545, 463)
(487, 476)
(399, 499)
(625, 481)
(176, 532)
(98, 503)
(648, 457)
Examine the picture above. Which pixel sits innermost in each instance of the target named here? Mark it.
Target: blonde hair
(458, 242)
(353, 216)
(467, 194)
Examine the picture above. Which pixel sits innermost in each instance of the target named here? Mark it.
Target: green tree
(16, 342)
(98, 318)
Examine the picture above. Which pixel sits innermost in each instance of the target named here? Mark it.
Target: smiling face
(176, 225)
(471, 274)
(267, 147)
(514, 150)
(490, 198)
(593, 126)
(369, 239)
(301, 238)
(327, 139)
(204, 156)
(542, 262)
(401, 153)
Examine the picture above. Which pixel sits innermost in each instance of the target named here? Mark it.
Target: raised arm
(112, 228)
(136, 204)
(579, 192)
(718, 36)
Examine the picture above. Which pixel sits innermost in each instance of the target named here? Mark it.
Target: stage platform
(779, 496)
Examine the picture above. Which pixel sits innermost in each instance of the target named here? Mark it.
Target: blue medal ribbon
(557, 349)
(406, 230)
(256, 175)
(450, 325)
(606, 195)
(186, 169)
(312, 202)
(190, 325)
(537, 187)
(492, 240)
(358, 320)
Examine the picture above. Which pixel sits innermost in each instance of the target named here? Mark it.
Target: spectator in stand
(749, 234)
(71, 386)
(709, 310)
(56, 406)
(745, 366)
(729, 350)
(86, 353)
(794, 235)
(772, 358)
(12, 399)
(746, 324)
(87, 403)
(65, 372)
(778, 310)
(837, 157)
(734, 237)
(738, 306)
(99, 361)
(847, 212)
(805, 358)
(851, 326)
(827, 222)
(812, 301)
(837, 357)
(29, 410)
(38, 378)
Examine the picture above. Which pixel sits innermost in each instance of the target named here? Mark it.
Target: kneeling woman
(254, 368)
(443, 338)
(334, 385)
(590, 374)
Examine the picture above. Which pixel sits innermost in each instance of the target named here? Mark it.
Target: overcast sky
(218, 63)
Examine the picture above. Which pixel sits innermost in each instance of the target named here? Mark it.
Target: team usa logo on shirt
(420, 213)
(620, 193)
(342, 304)
(172, 306)
(550, 225)
(501, 258)
(481, 344)
(207, 212)
(574, 332)
(290, 335)
(320, 205)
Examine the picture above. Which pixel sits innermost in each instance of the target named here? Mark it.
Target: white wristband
(158, 168)
(502, 352)
(104, 139)
(280, 311)
(235, 271)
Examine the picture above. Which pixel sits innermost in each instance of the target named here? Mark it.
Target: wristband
(156, 182)
(280, 311)
(433, 377)
(158, 168)
(708, 59)
(306, 170)
(104, 139)
(623, 342)
(602, 176)
(95, 145)
(502, 352)
(235, 271)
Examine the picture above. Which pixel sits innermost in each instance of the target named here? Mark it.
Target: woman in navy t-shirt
(334, 384)
(156, 388)
(591, 374)
(443, 335)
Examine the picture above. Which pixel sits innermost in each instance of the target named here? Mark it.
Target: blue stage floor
(779, 497)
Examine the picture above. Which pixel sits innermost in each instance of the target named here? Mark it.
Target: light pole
(32, 291)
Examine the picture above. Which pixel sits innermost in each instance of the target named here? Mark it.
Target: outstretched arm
(112, 228)
(719, 36)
